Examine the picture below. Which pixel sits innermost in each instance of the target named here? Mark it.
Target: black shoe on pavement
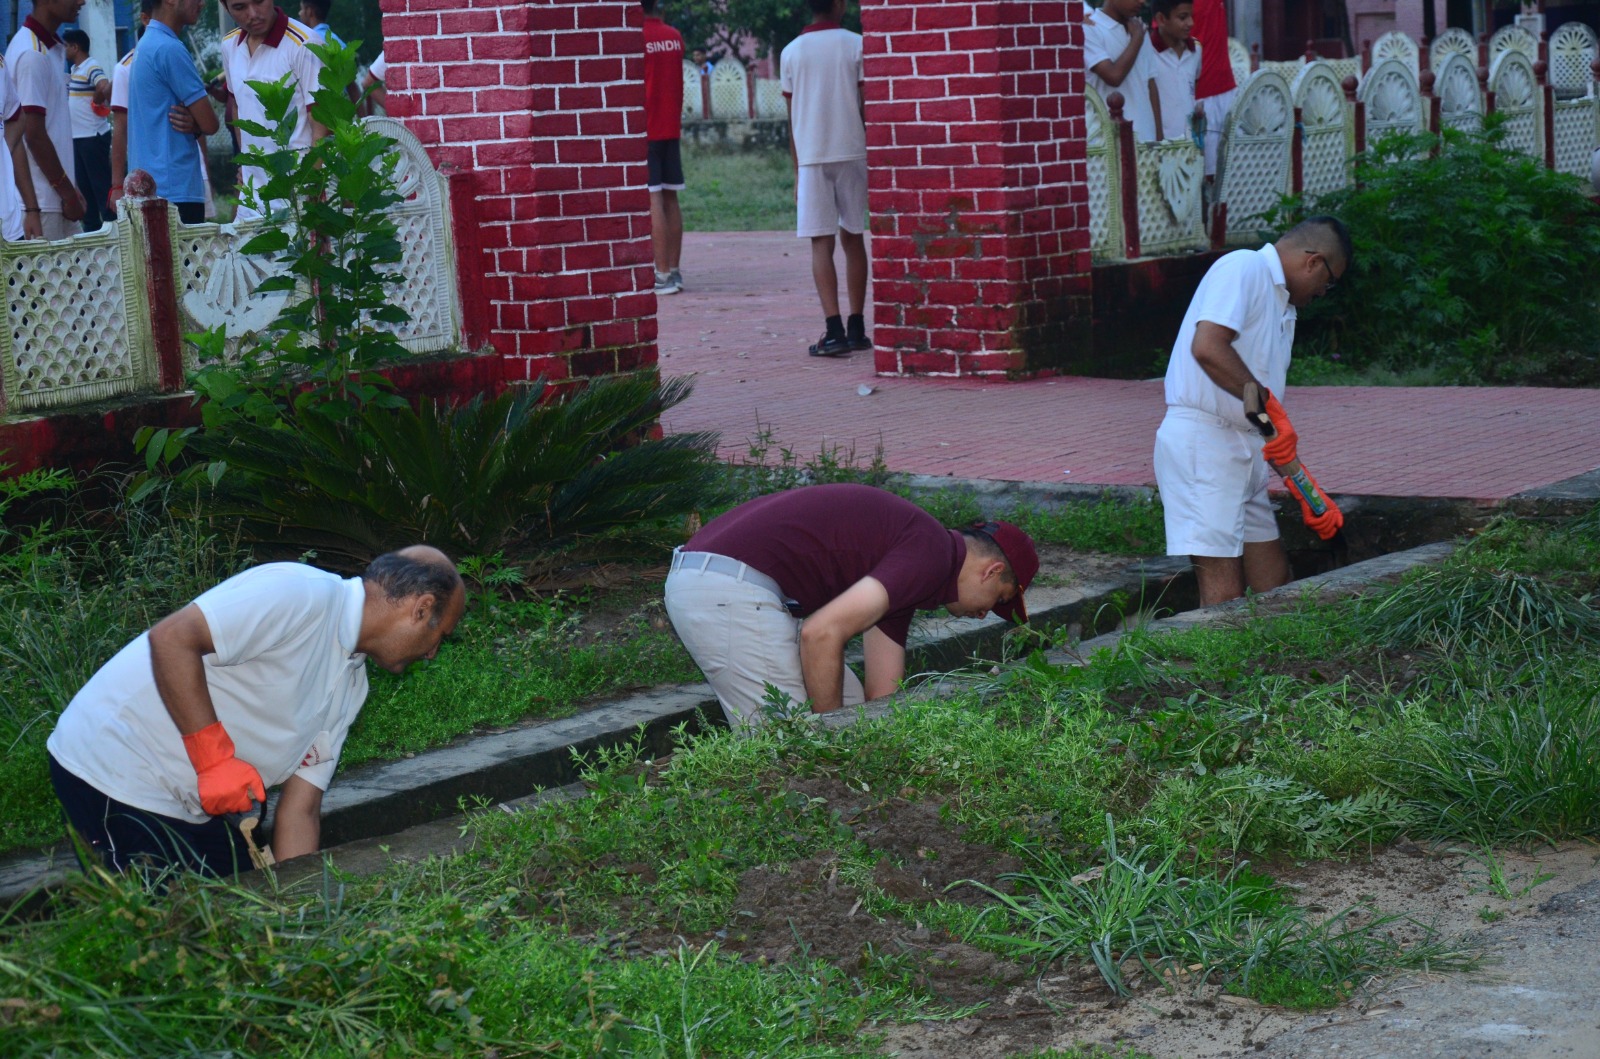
(860, 341)
(831, 345)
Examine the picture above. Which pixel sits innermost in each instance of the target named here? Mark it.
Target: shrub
(544, 482)
(1471, 259)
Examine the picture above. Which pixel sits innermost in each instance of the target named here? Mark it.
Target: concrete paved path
(750, 311)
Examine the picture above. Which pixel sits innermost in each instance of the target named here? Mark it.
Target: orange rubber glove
(227, 784)
(1281, 450)
(1317, 509)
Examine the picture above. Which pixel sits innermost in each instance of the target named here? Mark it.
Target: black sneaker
(831, 346)
(861, 341)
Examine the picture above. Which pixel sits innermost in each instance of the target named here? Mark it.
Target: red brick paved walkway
(749, 312)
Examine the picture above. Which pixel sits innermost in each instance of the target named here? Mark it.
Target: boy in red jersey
(663, 108)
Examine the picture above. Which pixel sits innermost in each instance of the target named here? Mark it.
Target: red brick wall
(541, 102)
(975, 143)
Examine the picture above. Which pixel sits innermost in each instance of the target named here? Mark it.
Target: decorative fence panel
(1327, 136)
(769, 98)
(1573, 123)
(1393, 100)
(1513, 39)
(1343, 68)
(1287, 70)
(1516, 96)
(1573, 47)
(1253, 165)
(1460, 96)
(1239, 59)
(1397, 46)
(76, 321)
(693, 104)
(730, 91)
(1171, 179)
(1453, 41)
(1105, 178)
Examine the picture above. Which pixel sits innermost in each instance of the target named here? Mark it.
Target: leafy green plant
(334, 238)
(1468, 255)
(543, 482)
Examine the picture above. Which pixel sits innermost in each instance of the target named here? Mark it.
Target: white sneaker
(666, 284)
(677, 277)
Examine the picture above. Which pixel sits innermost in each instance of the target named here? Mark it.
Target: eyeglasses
(1333, 281)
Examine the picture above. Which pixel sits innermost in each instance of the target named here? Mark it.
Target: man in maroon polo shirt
(770, 592)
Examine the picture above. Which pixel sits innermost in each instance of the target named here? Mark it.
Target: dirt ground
(809, 910)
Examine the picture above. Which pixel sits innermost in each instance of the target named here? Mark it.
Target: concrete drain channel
(368, 804)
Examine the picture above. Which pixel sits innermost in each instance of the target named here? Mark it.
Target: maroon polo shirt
(818, 541)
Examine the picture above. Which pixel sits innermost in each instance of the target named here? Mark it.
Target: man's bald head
(418, 570)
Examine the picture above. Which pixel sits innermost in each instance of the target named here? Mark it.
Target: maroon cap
(1024, 560)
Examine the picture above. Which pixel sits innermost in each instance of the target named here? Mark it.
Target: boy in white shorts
(1211, 465)
(821, 72)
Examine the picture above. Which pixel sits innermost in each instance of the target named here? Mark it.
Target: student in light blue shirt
(167, 106)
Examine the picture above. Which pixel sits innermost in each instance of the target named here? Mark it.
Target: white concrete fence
(102, 315)
(1296, 127)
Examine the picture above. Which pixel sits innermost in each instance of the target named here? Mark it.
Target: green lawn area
(744, 191)
(742, 897)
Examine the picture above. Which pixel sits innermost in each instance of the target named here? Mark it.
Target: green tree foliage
(723, 26)
(1469, 256)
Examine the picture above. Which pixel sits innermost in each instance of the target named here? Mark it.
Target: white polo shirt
(1243, 291)
(1104, 38)
(10, 197)
(821, 75)
(283, 51)
(379, 68)
(81, 83)
(37, 61)
(120, 75)
(286, 682)
(1175, 74)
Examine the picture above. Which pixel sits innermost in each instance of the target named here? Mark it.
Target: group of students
(64, 163)
(1175, 77)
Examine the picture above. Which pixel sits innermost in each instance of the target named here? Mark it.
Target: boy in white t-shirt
(19, 211)
(1113, 39)
(821, 74)
(1170, 64)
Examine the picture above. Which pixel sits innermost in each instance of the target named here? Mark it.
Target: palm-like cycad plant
(544, 481)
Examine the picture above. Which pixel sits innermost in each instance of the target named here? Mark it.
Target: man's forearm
(44, 152)
(178, 646)
(822, 667)
(119, 148)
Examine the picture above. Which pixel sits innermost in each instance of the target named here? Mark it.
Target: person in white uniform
(253, 685)
(1211, 467)
(1113, 40)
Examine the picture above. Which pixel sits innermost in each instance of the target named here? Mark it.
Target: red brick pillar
(979, 195)
(541, 103)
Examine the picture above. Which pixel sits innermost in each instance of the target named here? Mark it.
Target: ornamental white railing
(102, 315)
(1296, 127)
(730, 92)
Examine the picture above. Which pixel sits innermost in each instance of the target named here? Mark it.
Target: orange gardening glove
(1281, 450)
(227, 784)
(1317, 509)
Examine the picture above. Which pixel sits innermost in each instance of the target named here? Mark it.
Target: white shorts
(831, 196)
(1213, 484)
(743, 639)
(1216, 108)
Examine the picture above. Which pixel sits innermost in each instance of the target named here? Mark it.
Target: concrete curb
(1351, 580)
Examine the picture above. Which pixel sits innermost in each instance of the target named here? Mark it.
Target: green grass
(737, 191)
